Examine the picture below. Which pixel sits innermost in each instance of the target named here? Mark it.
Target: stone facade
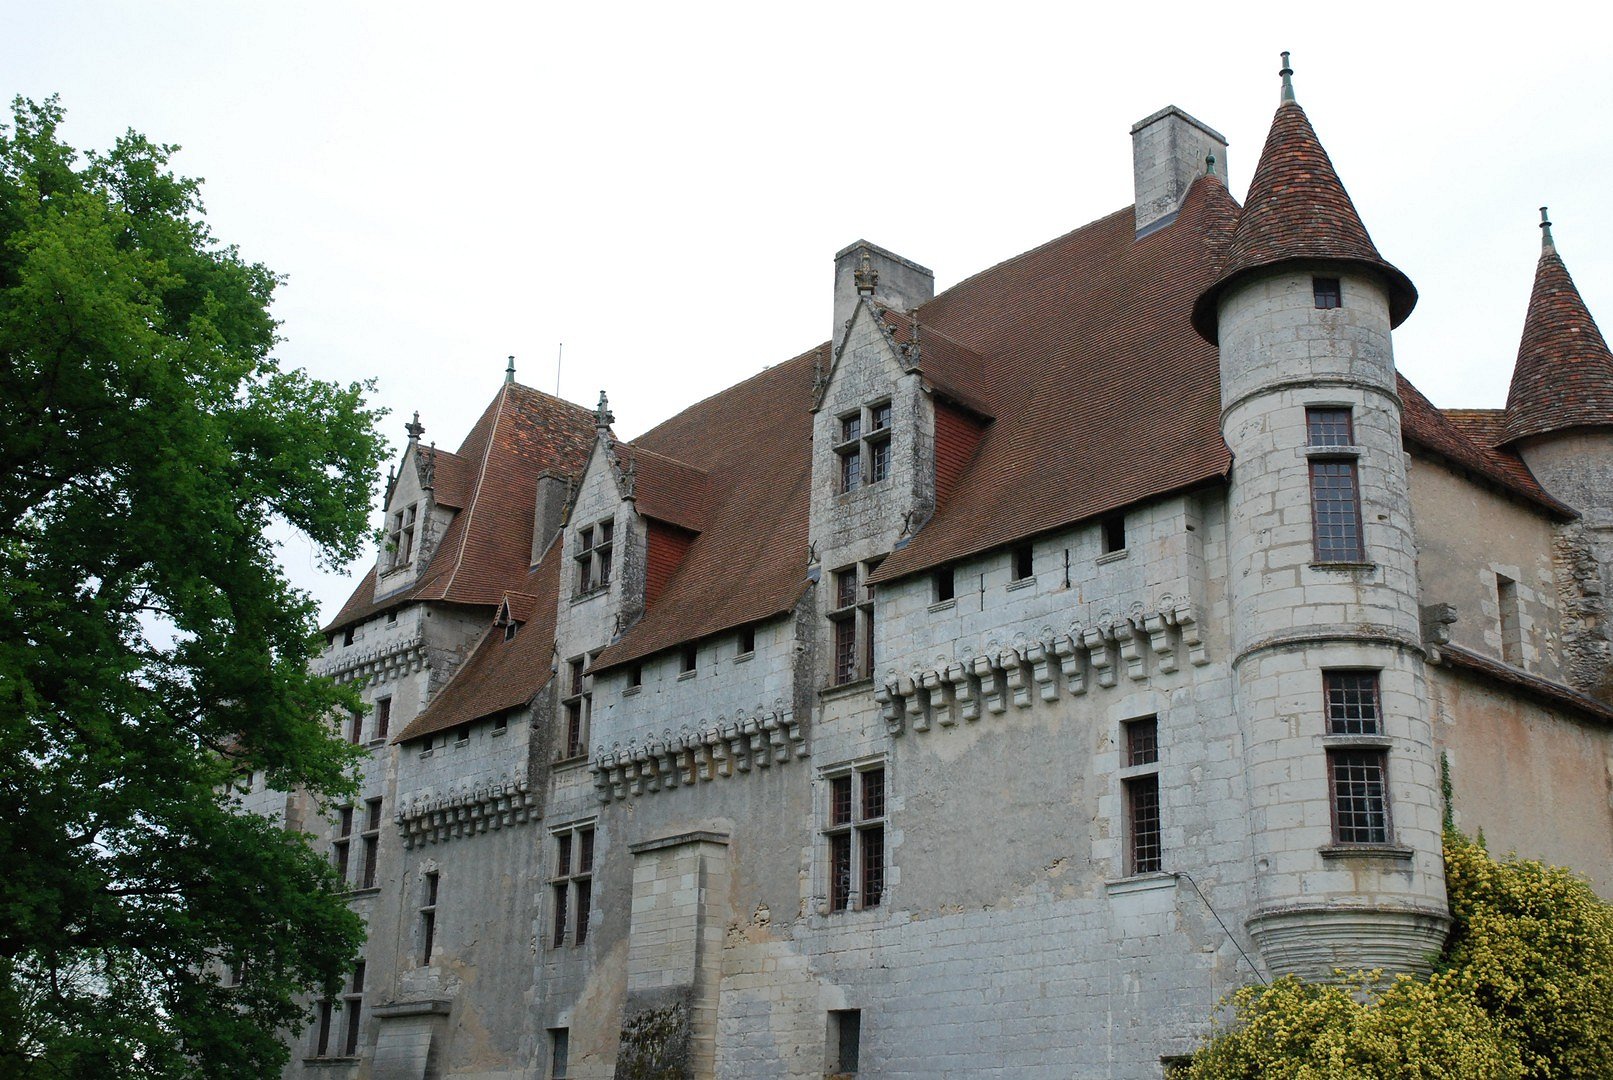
(1026, 810)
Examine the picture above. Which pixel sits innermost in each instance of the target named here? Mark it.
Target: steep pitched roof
(488, 545)
(948, 368)
(1564, 374)
(1297, 211)
(754, 442)
(1450, 435)
(1103, 393)
(667, 489)
(501, 674)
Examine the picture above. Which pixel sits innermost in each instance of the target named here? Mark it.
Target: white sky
(662, 186)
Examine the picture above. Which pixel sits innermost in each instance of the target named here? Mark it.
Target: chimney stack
(868, 269)
(1168, 151)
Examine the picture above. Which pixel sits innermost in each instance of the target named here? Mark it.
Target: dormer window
(864, 446)
(594, 556)
(401, 538)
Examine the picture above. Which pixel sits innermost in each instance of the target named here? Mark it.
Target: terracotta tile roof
(499, 674)
(1564, 374)
(1553, 693)
(1298, 211)
(950, 369)
(1104, 394)
(754, 442)
(1438, 431)
(488, 545)
(452, 479)
(666, 489)
(520, 604)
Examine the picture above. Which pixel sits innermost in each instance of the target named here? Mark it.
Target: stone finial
(415, 428)
(1547, 244)
(509, 371)
(603, 417)
(428, 467)
(1209, 163)
(1288, 79)
(866, 276)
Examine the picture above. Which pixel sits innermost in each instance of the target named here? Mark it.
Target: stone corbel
(760, 747)
(1159, 640)
(964, 691)
(1131, 650)
(990, 689)
(1071, 663)
(1018, 671)
(913, 702)
(1187, 626)
(797, 736)
(1036, 655)
(933, 684)
(1097, 647)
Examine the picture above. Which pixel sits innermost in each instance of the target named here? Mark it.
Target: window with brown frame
(593, 555)
(864, 446)
(1335, 490)
(1327, 292)
(1358, 776)
(383, 717)
(572, 885)
(339, 852)
(372, 842)
(854, 831)
(428, 917)
(352, 1007)
(1140, 785)
(578, 704)
(400, 539)
(851, 620)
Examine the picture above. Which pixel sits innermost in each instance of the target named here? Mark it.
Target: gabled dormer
(602, 549)
(421, 499)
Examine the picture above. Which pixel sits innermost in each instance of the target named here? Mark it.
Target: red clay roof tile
(1298, 211)
(1564, 374)
(1450, 435)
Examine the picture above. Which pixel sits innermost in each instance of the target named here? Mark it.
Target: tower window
(1357, 775)
(559, 1053)
(845, 1041)
(1329, 427)
(851, 622)
(945, 584)
(1140, 786)
(1336, 510)
(428, 918)
(593, 555)
(688, 657)
(339, 848)
(1327, 292)
(372, 842)
(747, 641)
(578, 704)
(572, 884)
(383, 717)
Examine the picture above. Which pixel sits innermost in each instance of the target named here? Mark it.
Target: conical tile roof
(1564, 374)
(1298, 212)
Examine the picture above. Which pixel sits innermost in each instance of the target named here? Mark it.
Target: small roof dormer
(1564, 374)
(1298, 212)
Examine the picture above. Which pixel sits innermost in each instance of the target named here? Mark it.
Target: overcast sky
(662, 186)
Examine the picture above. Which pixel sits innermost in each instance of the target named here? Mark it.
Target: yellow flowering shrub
(1524, 989)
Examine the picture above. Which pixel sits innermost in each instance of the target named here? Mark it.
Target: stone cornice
(375, 665)
(1043, 668)
(720, 748)
(490, 805)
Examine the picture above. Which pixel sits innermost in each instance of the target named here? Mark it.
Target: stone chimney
(554, 491)
(1168, 152)
(890, 279)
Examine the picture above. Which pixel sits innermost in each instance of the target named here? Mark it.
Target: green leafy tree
(1523, 989)
(151, 649)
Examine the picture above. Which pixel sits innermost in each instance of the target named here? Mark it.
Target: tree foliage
(151, 649)
(1523, 989)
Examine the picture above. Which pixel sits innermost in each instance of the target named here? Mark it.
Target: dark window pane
(1335, 512)
(839, 872)
(585, 851)
(1352, 703)
(845, 631)
(562, 859)
(1142, 741)
(879, 465)
(1142, 797)
(1360, 799)
(873, 842)
(851, 427)
(1329, 427)
(873, 794)
(585, 903)
(840, 801)
(558, 938)
(1327, 292)
(851, 471)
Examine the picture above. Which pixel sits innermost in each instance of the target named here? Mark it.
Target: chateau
(988, 689)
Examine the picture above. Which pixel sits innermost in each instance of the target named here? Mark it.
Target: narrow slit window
(945, 584)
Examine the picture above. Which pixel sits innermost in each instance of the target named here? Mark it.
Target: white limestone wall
(725, 687)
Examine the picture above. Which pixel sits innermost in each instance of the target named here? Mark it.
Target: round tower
(1559, 418)
(1342, 776)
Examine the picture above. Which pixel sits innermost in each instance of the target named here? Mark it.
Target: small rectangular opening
(845, 1041)
(347, 637)
(1023, 564)
(1114, 533)
(945, 584)
(635, 675)
(1326, 290)
(687, 658)
(747, 640)
(559, 1051)
(1511, 620)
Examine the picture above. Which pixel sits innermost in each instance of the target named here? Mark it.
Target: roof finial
(1546, 242)
(1288, 79)
(866, 276)
(509, 371)
(1209, 163)
(415, 428)
(603, 417)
